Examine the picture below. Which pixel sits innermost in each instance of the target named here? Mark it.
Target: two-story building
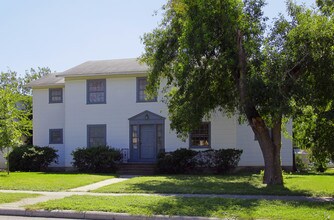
(103, 102)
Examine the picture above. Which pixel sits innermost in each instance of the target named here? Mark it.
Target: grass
(38, 181)
(207, 207)
(310, 185)
(13, 197)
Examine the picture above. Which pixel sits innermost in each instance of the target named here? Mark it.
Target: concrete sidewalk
(227, 196)
(17, 208)
(100, 184)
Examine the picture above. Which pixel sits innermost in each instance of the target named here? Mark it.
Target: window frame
(138, 79)
(209, 138)
(50, 95)
(51, 141)
(88, 101)
(90, 126)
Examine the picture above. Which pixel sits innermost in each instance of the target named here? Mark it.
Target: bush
(301, 165)
(227, 159)
(178, 161)
(32, 158)
(100, 159)
(189, 161)
(204, 160)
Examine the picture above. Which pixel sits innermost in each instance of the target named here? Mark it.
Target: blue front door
(147, 143)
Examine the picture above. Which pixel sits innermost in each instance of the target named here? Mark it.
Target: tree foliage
(215, 56)
(313, 130)
(16, 108)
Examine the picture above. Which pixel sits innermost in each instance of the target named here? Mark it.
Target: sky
(61, 34)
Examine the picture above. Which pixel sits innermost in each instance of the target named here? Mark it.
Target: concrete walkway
(17, 208)
(100, 184)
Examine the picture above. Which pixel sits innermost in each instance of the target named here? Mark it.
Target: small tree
(14, 118)
(313, 130)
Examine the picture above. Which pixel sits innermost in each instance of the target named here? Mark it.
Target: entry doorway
(146, 137)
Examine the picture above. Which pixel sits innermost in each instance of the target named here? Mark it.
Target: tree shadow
(76, 173)
(189, 184)
(221, 207)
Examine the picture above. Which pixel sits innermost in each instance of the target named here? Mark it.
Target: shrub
(100, 159)
(182, 160)
(227, 159)
(301, 165)
(165, 163)
(204, 159)
(32, 158)
(178, 161)
(189, 161)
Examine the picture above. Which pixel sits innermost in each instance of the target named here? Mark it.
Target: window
(96, 91)
(200, 138)
(135, 137)
(160, 140)
(141, 85)
(56, 95)
(55, 136)
(96, 135)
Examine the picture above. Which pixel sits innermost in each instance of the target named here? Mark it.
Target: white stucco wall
(2, 161)
(48, 116)
(120, 106)
(252, 155)
(73, 115)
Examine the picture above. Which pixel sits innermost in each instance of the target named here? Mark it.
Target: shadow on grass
(208, 207)
(75, 173)
(188, 184)
(314, 174)
(218, 207)
(17, 173)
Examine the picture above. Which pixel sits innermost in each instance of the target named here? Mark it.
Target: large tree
(215, 56)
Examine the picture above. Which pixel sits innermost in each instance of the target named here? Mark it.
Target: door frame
(145, 118)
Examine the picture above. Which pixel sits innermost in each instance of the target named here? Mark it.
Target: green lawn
(47, 181)
(208, 207)
(13, 197)
(311, 185)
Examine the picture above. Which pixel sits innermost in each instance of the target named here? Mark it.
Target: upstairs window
(96, 135)
(56, 136)
(200, 137)
(96, 91)
(56, 95)
(141, 86)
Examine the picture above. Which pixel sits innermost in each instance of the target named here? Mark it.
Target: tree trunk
(7, 162)
(271, 150)
(270, 146)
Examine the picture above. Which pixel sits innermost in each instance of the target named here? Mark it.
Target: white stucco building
(103, 102)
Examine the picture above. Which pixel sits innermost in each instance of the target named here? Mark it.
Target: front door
(147, 143)
(146, 137)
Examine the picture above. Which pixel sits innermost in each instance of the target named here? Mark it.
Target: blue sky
(63, 33)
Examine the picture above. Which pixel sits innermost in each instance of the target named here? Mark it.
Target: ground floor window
(55, 136)
(96, 135)
(200, 137)
(160, 138)
(135, 136)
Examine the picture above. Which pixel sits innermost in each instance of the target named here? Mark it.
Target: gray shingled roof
(106, 67)
(49, 80)
(92, 68)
